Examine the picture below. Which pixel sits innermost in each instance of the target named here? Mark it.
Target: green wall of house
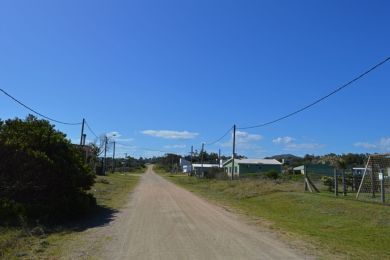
(254, 168)
(262, 168)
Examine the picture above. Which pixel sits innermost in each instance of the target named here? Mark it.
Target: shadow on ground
(98, 217)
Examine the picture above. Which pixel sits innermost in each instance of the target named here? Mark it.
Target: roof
(299, 168)
(205, 165)
(254, 161)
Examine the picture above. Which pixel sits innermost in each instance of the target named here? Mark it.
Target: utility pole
(201, 167)
(126, 160)
(192, 151)
(234, 149)
(82, 133)
(105, 153)
(219, 158)
(84, 138)
(113, 158)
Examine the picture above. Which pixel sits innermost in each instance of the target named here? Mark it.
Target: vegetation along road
(163, 221)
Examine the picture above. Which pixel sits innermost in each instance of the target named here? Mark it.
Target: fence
(375, 179)
(371, 183)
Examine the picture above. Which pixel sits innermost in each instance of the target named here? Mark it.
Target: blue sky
(171, 74)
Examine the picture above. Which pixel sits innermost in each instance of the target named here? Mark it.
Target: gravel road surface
(163, 221)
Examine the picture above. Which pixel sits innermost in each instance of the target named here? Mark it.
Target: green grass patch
(336, 226)
(42, 242)
(112, 190)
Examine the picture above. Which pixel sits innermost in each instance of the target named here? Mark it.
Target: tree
(41, 170)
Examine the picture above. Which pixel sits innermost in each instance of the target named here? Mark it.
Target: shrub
(215, 173)
(272, 174)
(42, 171)
(10, 211)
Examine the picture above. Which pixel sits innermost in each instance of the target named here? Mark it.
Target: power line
(321, 99)
(90, 129)
(219, 139)
(37, 113)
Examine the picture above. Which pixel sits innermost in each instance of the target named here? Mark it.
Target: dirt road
(163, 221)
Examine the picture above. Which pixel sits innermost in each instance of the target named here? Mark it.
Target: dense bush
(215, 173)
(272, 174)
(41, 173)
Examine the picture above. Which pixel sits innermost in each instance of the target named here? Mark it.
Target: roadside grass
(47, 242)
(337, 227)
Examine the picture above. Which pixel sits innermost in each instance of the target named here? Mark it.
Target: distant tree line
(341, 161)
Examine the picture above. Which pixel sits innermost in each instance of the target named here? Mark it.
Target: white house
(251, 166)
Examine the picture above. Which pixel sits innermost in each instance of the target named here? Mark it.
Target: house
(244, 167)
(185, 165)
(197, 168)
(201, 169)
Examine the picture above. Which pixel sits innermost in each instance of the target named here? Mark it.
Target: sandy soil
(163, 221)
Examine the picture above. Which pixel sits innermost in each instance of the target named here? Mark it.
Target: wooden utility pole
(219, 158)
(202, 160)
(105, 154)
(82, 133)
(84, 138)
(192, 152)
(234, 149)
(113, 158)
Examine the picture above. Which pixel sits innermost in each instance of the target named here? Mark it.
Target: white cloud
(283, 140)
(115, 135)
(303, 146)
(133, 147)
(168, 134)
(244, 141)
(383, 144)
(124, 139)
(244, 137)
(365, 145)
(175, 146)
(290, 144)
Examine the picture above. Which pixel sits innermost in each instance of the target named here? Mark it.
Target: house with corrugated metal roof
(244, 167)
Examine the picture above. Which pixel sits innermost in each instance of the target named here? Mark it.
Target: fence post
(382, 180)
(305, 177)
(336, 183)
(344, 184)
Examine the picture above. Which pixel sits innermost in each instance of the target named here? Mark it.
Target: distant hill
(285, 157)
(288, 158)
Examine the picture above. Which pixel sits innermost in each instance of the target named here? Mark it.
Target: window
(235, 169)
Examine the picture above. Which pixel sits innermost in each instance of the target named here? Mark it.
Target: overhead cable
(219, 139)
(320, 99)
(36, 112)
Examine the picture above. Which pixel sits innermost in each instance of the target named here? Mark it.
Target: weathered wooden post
(305, 177)
(344, 184)
(336, 183)
(382, 180)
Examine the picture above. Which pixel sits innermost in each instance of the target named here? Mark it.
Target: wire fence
(375, 179)
(370, 183)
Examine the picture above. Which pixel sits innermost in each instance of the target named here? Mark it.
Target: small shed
(244, 167)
